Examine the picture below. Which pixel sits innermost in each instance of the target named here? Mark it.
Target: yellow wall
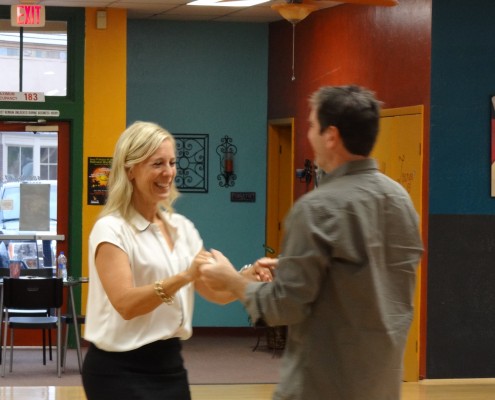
(104, 103)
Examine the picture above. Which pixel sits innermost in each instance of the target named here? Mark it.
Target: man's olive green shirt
(344, 286)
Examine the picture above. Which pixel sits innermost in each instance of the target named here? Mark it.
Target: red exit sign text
(31, 15)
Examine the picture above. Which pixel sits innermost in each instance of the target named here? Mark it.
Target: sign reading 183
(22, 96)
(32, 15)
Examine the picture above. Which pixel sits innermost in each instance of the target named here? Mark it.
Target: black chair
(30, 294)
(43, 272)
(39, 272)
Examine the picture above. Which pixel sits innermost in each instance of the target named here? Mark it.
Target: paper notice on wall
(7, 205)
(35, 207)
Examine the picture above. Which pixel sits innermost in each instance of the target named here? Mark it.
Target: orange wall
(104, 103)
(386, 49)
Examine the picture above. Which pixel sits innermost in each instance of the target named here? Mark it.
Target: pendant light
(294, 12)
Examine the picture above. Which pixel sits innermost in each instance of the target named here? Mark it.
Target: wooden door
(280, 180)
(399, 155)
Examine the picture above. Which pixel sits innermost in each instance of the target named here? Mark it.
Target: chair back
(39, 272)
(33, 293)
(42, 272)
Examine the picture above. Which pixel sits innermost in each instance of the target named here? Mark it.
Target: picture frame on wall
(492, 127)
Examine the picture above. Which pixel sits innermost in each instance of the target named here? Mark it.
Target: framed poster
(98, 171)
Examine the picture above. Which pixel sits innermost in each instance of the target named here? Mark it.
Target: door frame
(63, 198)
(63, 128)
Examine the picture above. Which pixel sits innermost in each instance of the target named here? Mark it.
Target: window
(48, 163)
(28, 156)
(43, 52)
(20, 161)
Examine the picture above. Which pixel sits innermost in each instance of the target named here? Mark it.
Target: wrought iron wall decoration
(192, 163)
(226, 152)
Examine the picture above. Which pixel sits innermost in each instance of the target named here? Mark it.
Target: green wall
(71, 109)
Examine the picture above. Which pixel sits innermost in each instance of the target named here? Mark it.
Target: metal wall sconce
(305, 174)
(226, 151)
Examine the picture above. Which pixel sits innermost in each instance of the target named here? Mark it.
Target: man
(345, 281)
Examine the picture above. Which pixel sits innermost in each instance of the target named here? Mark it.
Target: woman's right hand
(203, 257)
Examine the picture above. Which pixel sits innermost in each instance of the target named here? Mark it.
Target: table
(70, 283)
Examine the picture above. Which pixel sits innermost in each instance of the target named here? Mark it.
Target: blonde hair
(136, 144)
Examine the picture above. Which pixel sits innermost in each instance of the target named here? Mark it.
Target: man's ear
(332, 137)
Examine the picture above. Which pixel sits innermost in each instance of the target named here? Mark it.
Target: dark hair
(353, 110)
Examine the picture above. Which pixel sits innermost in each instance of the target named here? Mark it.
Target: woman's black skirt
(155, 371)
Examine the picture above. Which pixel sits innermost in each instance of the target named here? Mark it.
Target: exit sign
(29, 15)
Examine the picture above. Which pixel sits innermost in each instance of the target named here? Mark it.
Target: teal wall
(462, 84)
(209, 78)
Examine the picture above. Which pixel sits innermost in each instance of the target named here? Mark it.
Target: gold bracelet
(162, 295)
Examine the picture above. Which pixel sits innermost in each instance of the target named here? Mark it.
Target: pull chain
(293, 51)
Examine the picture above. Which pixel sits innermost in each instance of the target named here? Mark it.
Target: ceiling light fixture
(219, 3)
(294, 12)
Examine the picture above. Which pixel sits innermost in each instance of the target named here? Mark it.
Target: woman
(143, 266)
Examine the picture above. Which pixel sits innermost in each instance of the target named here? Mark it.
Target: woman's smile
(153, 178)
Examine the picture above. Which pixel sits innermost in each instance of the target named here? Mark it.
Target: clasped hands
(218, 273)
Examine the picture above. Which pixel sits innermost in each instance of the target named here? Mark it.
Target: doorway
(280, 180)
(47, 147)
(398, 152)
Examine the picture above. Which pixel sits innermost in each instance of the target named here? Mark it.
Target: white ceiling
(175, 9)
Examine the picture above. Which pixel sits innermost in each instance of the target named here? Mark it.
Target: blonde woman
(143, 265)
